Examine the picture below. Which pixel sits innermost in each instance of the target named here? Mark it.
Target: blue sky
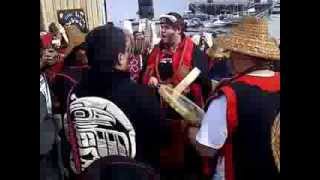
(123, 9)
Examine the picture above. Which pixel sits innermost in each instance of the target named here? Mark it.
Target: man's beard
(171, 40)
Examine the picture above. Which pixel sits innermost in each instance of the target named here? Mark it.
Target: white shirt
(44, 89)
(213, 131)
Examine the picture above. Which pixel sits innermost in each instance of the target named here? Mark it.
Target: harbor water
(274, 25)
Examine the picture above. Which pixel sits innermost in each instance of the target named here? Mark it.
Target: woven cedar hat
(76, 37)
(251, 38)
(218, 53)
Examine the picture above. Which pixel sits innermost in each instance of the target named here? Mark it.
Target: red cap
(46, 40)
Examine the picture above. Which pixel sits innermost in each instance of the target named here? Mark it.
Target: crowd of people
(102, 117)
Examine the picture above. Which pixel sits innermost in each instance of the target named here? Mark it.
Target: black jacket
(138, 102)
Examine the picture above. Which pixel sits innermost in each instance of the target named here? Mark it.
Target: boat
(276, 8)
(219, 21)
(236, 18)
(193, 23)
(202, 16)
(214, 23)
(251, 11)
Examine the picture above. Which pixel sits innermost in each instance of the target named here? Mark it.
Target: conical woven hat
(76, 37)
(217, 53)
(251, 38)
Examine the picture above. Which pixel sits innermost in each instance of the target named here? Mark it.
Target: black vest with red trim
(252, 105)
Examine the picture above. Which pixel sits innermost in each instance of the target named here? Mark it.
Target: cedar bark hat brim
(251, 38)
(76, 37)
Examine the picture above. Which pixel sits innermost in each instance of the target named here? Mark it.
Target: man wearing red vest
(237, 127)
(174, 57)
(169, 62)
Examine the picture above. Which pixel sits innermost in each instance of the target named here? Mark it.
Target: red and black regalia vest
(183, 60)
(252, 106)
(171, 67)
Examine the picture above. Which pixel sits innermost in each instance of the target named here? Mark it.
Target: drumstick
(187, 81)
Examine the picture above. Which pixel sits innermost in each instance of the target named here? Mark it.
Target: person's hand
(192, 133)
(153, 81)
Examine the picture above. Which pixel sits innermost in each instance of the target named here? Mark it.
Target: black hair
(103, 46)
(264, 64)
(180, 22)
(53, 28)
